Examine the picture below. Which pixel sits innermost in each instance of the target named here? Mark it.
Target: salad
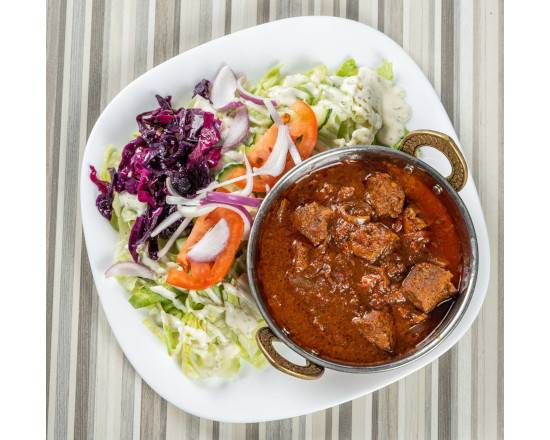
(183, 192)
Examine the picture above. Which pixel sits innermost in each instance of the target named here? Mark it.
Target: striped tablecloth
(95, 48)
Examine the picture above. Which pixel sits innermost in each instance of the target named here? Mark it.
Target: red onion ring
(231, 198)
(245, 94)
(275, 163)
(247, 190)
(238, 129)
(211, 243)
(129, 269)
(223, 88)
(241, 210)
(231, 106)
(168, 221)
(294, 153)
(174, 237)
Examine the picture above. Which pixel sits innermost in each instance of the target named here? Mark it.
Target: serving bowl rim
(357, 152)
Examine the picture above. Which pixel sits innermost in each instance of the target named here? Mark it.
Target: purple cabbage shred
(183, 144)
(202, 88)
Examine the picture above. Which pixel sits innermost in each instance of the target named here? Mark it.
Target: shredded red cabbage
(202, 88)
(104, 200)
(183, 144)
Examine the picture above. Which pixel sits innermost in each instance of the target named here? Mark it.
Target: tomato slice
(303, 128)
(199, 276)
(302, 125)
(258, 184)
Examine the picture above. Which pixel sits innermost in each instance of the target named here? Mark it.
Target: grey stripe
(70, 205)
(475, 171)
(302, 427)
(192, 426)
(428, 403)
(310, 7)
(381, 10)
(262, 12)
(345, 421)
(153, 414)
(282, 8)
(127, 405)
(279, 430)
(352, 10)
(205, 29)
(295, 8)
(448, 363)
(55, 47)
(215, 430)
(252, 431)
(393, 19)
(164, 30)
(228, 8)
(447, 394)
(500, 311)
(140, 58)
(447, 57)
(375, 415)
(328, 424)
(176, 32)
(85, 355)
(387, 412)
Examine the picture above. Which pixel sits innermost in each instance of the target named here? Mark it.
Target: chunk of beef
(411, 221)
(383, 296)
(377, 328)
(374, 280)
(427, 285)
(345, 193)
(395, 295)
(326, 193)
(385, 195)
(312, 220)
(319, 262)
(415, 243)
(357, 212)
(340, 233)
(394, 266)
(397, 224)
(372, 241)
(300, 251)
(408, 313)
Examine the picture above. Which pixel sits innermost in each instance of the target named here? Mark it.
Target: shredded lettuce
(142, 296)
(271, 78)
(347, 68)
(111, 159)
(385, 70)
(397, 145)
(216, 330)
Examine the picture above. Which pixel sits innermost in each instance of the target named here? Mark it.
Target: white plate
(299, 43)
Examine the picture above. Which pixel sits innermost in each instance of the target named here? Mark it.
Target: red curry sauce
(359, 262)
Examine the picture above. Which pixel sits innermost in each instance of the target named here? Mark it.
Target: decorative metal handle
(442, 142)
(310, 371)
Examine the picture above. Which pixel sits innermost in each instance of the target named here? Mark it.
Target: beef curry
(358, 262)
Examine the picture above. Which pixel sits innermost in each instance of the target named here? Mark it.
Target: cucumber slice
(224, 173)
(327, 114)
(322, 114)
